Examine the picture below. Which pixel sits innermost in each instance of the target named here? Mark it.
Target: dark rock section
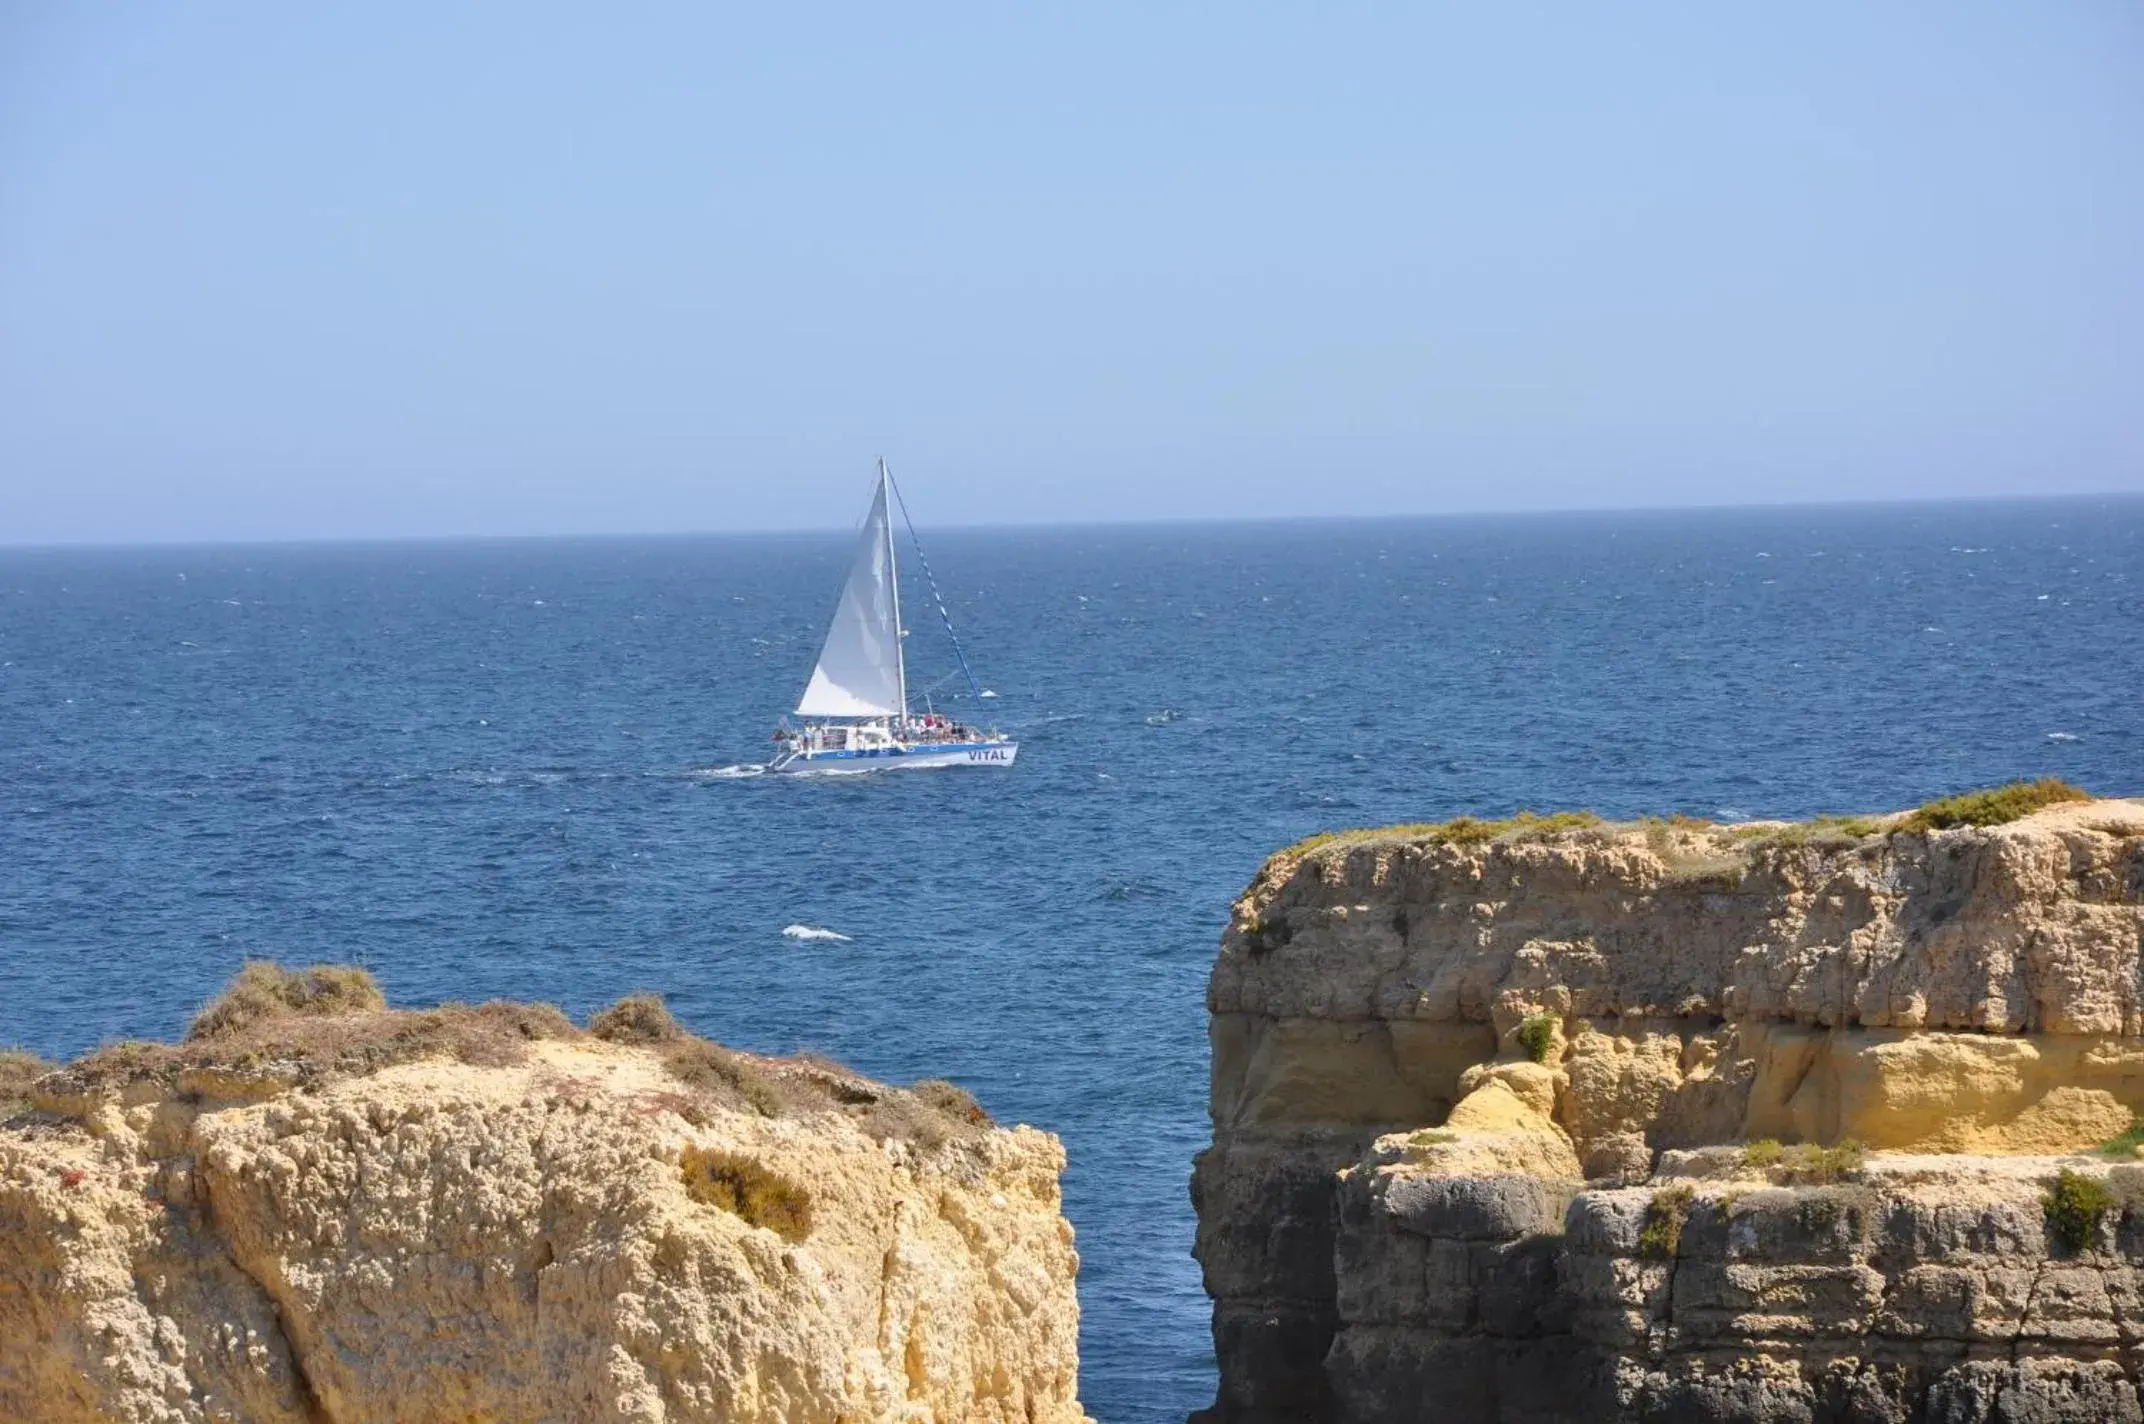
(1929, 1297)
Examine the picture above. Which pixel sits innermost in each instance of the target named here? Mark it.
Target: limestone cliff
(485, 1214)
(1455, 1067)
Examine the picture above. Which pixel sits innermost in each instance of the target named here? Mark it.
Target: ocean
(521, 769)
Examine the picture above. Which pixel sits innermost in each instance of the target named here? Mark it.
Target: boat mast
(893, 578)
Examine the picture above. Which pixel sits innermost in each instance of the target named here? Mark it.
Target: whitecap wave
(2062, 736)
(811, 932)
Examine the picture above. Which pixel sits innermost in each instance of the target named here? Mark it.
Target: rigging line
(936, 597)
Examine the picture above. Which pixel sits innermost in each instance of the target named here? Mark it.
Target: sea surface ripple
(521, 768)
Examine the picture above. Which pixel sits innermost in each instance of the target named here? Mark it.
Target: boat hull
(918, 755)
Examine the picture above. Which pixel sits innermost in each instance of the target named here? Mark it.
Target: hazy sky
(376, 269)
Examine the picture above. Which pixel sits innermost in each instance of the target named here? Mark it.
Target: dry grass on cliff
(305, 1028)
(931, 1113)
(264, 990)
(725, 1078)
(1459, 831)
(317, 1025)
(1692, 850)
(1819, 832)
(748, 1189)
(642, 1019)
(17, 1071)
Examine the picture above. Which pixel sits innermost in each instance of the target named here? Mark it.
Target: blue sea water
(482, 770)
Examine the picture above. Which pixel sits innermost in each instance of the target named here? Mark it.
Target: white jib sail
(859, 673)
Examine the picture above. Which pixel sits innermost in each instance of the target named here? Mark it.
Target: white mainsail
(859, 671)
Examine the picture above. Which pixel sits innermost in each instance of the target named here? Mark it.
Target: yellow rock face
(1961, 991)
(436, 1241)
(1494, 1130)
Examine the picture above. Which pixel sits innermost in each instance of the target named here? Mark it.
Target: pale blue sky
(380, 269)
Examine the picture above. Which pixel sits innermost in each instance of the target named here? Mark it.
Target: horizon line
(1159, 521)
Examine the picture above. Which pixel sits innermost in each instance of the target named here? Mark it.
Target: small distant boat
(856, 706)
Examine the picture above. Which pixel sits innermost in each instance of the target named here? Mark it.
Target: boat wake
(726, 773)
(811, 932)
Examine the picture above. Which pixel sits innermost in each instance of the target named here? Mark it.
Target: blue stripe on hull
(935, 754)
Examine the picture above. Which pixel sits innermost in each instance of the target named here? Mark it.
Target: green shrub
(2073, 1205)
(1526, 826)
(741, 1186)
(2125, 1145)
(1994, 805)
(1808, 1164)
(1665, 1214)
(265, 990)
(1537, 1035)
(636, 1018)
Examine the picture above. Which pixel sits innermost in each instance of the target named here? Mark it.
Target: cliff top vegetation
(1460, 831)
(300, 1029)
(1993, 805)
(1671, 836)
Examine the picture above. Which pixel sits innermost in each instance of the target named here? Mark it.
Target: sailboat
(856, 706)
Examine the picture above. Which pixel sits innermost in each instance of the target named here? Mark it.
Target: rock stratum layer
(1477, 1100)
(565, 1230)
